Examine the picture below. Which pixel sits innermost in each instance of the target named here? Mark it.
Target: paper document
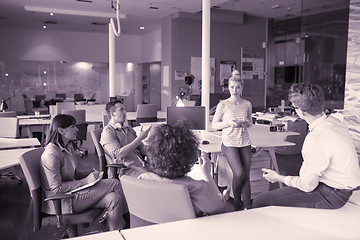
(89, 184)
(355, 197)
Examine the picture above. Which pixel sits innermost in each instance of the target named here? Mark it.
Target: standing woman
(233, 117)
(58, 175)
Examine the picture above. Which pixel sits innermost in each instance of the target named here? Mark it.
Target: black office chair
(108, 169)
(30, 164)
(61, 96)
(81, 125)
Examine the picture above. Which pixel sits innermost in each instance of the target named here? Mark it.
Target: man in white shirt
(330, 170)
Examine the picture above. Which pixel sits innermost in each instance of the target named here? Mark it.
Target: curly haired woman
(172, 152)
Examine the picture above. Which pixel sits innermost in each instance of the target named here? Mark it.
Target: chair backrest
(60, 106)
(9, 127)
(105, 119)
(61, 95)
(146, 113)
(29, 107)
(8, 114)
(95, 136)
(40, 97)
(79, 97)
(79, 115)
(146, 110)
(156, 202)
(30, 164)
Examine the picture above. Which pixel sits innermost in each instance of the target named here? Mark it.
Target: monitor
(194, 116)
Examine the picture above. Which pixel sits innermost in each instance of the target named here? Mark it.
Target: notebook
(89, 184)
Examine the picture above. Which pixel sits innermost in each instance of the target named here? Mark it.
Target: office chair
(81, 124)
(30, 109)
(79, 97)
(152, 202)
(30, 164)
(60, 106)
(105, 120)
(61, 96)
(146, 113)
(11, 130)
(111, 171)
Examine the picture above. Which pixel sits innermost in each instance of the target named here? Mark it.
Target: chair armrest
(56, 198)
(59, 197)
(116, 165)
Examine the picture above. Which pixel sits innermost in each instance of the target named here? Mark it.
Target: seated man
(120, 143)
(172, 152)
(330, 170)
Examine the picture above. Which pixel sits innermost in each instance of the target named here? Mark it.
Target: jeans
(322, 197)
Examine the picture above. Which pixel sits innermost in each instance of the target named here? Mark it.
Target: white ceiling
(140, 12)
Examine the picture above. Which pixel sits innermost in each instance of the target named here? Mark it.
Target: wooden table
(262, 223)
(7, 143)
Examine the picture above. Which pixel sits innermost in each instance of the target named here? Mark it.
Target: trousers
(322, 197)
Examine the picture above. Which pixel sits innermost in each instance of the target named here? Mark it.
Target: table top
(34, 121)
(261, 223)
(6, 143)
(260, 136)
(9, 158)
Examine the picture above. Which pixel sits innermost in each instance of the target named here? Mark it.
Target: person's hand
(92, 176)
(205, 165)
(270, 175)
(144, 134)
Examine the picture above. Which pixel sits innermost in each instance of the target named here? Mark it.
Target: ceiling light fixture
(142, 28)
(73, 12)
(51, 14)
(275, 6)
(44, 26)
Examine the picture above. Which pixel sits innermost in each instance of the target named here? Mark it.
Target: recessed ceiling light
(44, 26)
(142, 27)
(6, 74)
(51, 14)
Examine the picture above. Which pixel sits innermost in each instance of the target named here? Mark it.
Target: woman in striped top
(233, 117)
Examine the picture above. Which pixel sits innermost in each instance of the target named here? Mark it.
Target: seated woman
(58, 171)
(172, 152)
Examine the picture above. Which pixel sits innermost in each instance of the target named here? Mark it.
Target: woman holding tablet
(233, 117)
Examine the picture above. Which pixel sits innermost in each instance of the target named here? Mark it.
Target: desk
(10, 158)
(262, 223)
(6, 143)
(27, 123)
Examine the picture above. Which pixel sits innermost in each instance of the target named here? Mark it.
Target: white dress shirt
(329, 157)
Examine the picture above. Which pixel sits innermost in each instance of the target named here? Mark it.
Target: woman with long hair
(59, 175)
